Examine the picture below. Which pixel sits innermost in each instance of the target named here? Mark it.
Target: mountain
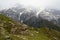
(52, 15)
(28, 15)
(13, 30)
(16, 12)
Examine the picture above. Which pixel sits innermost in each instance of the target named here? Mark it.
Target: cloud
(6, 3)
(36, 3)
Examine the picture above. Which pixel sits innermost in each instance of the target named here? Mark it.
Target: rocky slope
(12, 30)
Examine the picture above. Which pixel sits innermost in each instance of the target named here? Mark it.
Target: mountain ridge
(21, 13)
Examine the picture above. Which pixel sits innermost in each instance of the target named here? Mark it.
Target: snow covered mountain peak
(49, 14)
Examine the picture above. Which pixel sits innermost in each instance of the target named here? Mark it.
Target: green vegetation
(12, 30)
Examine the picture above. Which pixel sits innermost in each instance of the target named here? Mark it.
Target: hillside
(12, 30)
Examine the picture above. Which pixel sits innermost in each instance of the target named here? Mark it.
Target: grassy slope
(31, 33)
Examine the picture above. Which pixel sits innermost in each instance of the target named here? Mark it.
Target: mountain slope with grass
(12, 30)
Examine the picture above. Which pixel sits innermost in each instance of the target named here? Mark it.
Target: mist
(35, 3)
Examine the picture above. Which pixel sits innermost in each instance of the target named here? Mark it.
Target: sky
(55, 4)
